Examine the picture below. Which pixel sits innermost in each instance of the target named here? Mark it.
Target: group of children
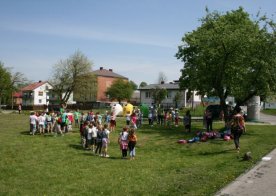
(95, 135)
(167, 118)
(50, 122)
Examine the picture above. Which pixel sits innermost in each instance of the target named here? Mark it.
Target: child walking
(123, 142)
(105, 140)
(132, 139)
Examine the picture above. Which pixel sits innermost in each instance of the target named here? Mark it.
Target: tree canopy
(230, 54)
(159, 94)
(5, 83)
(120, 90)
(143, 84)
(67, 74)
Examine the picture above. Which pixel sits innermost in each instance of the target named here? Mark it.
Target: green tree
(5, 84)
(120, 90)
(143, 84)
(158, 95)
(177, 98)
(67, 73)
(230, 54)
(133, 84)
(86, 88)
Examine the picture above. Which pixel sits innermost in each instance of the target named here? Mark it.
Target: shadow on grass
(217, 152)
(76, 146)
(111, 157)
(25, 132)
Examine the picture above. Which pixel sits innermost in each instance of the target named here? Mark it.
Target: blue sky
(136, 38)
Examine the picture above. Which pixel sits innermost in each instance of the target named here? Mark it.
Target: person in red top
(237, 127)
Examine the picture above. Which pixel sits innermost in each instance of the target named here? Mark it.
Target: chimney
(111, 70)
(39, 81)
(162, 82)
(101, 68)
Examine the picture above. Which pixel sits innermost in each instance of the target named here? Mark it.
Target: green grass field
(47, 165)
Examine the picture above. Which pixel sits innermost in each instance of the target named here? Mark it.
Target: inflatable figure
(116, 108)
(127, 108)
(145, 110)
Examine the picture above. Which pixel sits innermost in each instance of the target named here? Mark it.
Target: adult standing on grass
(237, 127)
(209, 120)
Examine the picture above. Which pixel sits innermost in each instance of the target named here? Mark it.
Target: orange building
(105, 78)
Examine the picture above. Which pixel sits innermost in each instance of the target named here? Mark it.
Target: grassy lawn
(269, 111)
(47, 165)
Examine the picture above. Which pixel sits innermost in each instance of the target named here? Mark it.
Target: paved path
(268, 119)
(260, 180)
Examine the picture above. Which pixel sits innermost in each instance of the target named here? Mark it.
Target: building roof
(108, 73)
(17, 94)
(165, 86)
(33, 86)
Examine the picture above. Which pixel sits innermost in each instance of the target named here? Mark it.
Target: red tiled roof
(108, 73)
(33, 86)
(17, 94)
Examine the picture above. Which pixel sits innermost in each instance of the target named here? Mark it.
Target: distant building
(172, 90)
(105, 79)
(35, 94)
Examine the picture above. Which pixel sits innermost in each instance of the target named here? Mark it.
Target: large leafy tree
(5, 83)
(230, 54)
(67, 74)
(120, 90)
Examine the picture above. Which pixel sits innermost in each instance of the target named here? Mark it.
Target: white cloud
(90, 33)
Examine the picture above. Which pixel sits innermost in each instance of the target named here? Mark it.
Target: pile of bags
(204, 136)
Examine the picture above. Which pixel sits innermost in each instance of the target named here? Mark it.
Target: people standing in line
(57, 124)
(33, 121)
(105, 140)
(187, 121)
(132, 139)
(209, 120)
(237, 127)
(49, 122)
(94, 136)
(123, 142)
(41, 123)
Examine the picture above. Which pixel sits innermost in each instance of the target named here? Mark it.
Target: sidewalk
(259, 181)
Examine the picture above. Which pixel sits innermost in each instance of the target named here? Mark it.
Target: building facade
(173, 91)
(105, 78)
(36, 94)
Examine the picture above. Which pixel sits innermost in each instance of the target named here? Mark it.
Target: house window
(40, 101)
(40, 93)
(46, 87)
(148, 94)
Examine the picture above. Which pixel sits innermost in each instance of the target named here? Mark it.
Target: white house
(36, 93)
(172, 89)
